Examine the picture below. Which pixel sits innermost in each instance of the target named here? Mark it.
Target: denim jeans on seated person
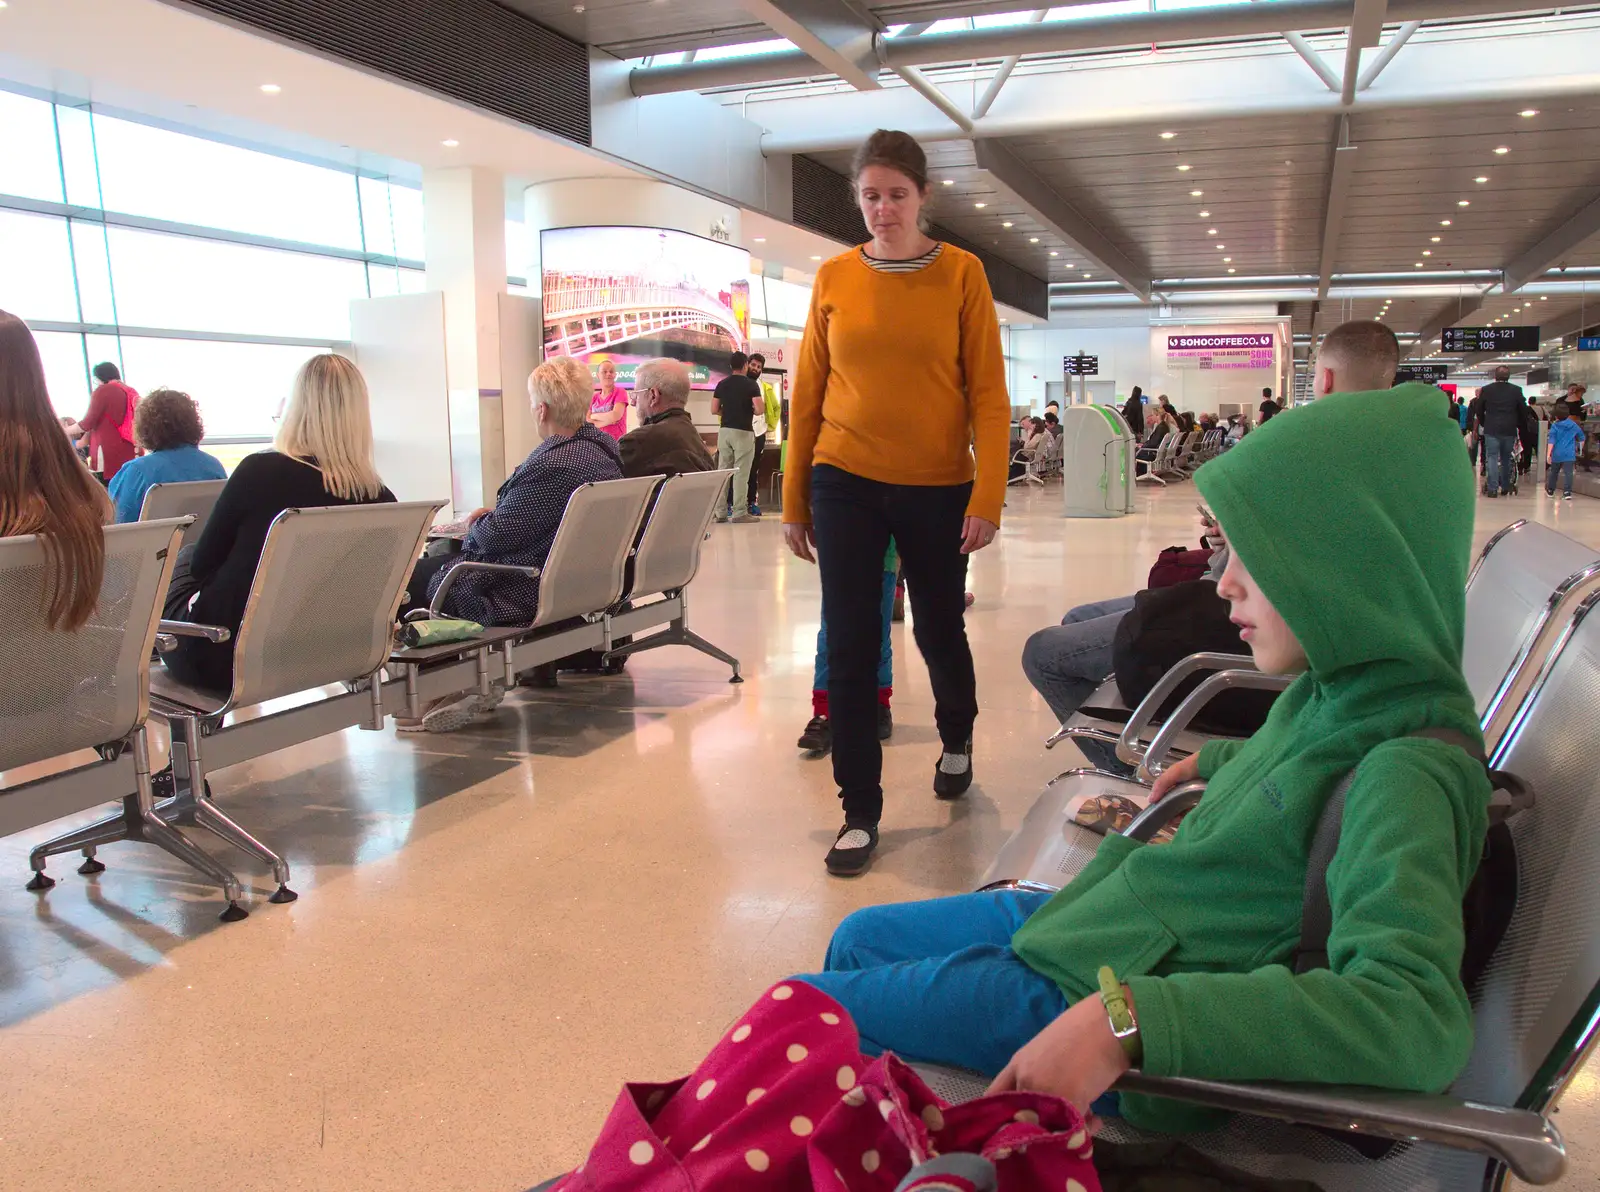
(1066, 662)
(937, 981)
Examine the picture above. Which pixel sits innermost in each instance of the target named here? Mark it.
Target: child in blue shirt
(1565, 435)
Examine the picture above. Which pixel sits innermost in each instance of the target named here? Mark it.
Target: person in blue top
(168, 426)
(1565, 435)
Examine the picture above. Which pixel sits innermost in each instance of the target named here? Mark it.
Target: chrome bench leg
(194, 805)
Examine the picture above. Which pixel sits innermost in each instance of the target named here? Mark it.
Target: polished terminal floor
(497, 928)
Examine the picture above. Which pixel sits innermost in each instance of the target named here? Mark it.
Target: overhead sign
(1589, 343)
(1239, 349)
(1080, 365)
(1490, 339)
(1429, 374)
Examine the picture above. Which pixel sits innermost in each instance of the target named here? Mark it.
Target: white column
(465, 213)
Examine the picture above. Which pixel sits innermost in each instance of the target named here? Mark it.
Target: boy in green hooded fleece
(1349, 564)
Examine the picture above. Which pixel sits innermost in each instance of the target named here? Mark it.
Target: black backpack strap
(1316, 912)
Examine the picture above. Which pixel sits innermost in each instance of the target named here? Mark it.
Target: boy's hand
(1188, 770)
(1076, 1057)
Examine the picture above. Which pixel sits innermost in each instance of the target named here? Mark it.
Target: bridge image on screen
(630, 294)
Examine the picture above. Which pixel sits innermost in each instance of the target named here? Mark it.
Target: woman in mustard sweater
(898, 426)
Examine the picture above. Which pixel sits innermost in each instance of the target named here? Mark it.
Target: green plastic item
(438, 632)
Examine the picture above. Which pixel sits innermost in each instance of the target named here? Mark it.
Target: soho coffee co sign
(1244, 349)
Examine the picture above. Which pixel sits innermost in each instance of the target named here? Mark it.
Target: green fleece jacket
(1361, 540)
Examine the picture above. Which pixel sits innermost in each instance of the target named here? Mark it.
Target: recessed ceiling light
(1033, 240)
(1444, 223)
(1435, 239)
(270, 88)
(816, 258)
(1502, 150)
(1211, 231)
(1544, 298)
(1088, 275)
(1007, 224)
(1205, 215)
(1196, 193)
(980, 206)
(1222, 246)
(949, 181)
(1184, 169)
(1528, 113)
(1481, 178)
(1004, 320)
(1054, 253)
(1225, 260)
(449, 142)
(1167, 136)
(1416, 264)
(1233, 271)
(1463, 202)
(760, 239)
(1427, 252)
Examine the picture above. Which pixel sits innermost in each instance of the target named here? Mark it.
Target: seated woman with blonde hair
(322, 456)
(521, 527)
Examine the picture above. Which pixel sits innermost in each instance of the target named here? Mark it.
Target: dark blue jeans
(1500, 457)
(853, 519)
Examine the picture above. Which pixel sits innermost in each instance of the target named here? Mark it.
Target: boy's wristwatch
(1124, 1026)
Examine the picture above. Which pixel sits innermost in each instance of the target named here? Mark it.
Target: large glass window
(36, 268)
(28, 165)
(204, 300)
(174, 281)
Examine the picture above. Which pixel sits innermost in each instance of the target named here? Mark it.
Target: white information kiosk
(1096, 462)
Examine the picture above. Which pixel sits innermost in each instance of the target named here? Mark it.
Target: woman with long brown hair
(45, 488)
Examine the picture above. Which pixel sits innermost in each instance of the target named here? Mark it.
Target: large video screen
(631, 294)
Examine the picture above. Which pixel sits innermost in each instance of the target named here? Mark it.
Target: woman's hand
(476, 515)
(800, 540)
(977, 533)
(1076, 1057)
(1188, 770)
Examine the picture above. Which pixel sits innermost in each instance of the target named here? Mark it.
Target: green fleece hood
(1364, 566)
(1354, 515)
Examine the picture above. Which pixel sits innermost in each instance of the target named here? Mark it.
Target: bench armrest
(1158, 815)
(1131, 748)
(436, 605)
(212, 633)
(1524, 1141)
(1155, 756)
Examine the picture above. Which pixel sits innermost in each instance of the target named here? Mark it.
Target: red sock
(884, 693)
(819, 704)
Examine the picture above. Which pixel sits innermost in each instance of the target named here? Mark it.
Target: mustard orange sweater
(900, 379)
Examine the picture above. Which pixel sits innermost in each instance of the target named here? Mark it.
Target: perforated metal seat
(63, 692)
(188, 498)
(320, 613)
(666, 562)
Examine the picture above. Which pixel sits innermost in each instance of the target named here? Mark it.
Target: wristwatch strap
(1123, 1024)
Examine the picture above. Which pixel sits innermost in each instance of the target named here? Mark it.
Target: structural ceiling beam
(1386, 55)
(992, 91)
(832, 33)
(1536, 63)
(1121, 30)
(1340, 173)
(1041, 201)
(1551, 248)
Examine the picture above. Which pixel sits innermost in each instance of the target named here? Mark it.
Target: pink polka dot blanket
(785, 1102)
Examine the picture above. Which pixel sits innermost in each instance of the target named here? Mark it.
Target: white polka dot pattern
(831, 1019)
(783, 993)
(800, 1126)
(755, 1095)
(743, 1033)
(871, 1161)
(796, 1053)
(886, 1107)
(704, 1091)
(846, 1079)
(1077, 1140)
(701, 1145)
(758, 1160)
(1074, 1186)
(856, 1097)
(641, 1153)
(1027, 1116)
(932, 1117)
